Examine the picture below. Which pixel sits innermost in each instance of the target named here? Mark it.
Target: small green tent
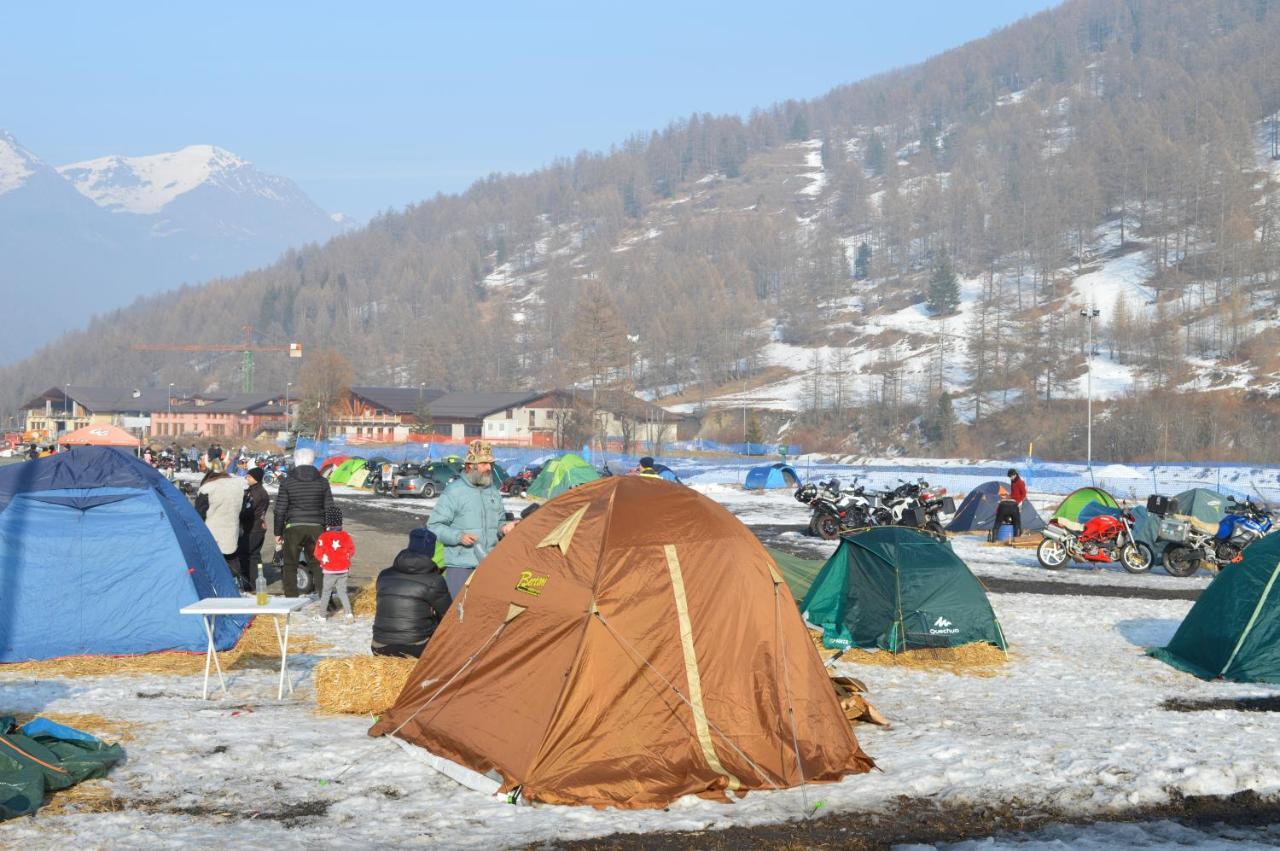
(1069, 510)
(1233, 630)
(898, 589)
(560, 474)
(343, 473)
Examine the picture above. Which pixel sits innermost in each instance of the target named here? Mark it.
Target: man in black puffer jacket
(302, 506)
(412, 598)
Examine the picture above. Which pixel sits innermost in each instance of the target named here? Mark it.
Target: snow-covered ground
(1072, 722)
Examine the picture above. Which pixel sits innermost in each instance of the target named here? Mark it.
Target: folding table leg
(283, 641)
(211, 655)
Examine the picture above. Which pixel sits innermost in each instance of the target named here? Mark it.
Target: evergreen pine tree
(873, 159)
(944, 292)
(862, 263)
(800, 127)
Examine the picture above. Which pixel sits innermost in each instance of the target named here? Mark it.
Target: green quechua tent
(1233, 630)
(560, 474)
(345, 470)
(41, 757)
(1069, 510)
(898, 589)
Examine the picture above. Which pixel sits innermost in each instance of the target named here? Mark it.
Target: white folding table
(277, 608)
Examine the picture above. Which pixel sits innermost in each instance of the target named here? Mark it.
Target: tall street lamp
(171, 399)
(1089, 314)
(287, 419)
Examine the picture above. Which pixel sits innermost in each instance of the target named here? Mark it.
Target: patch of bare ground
(925, 821)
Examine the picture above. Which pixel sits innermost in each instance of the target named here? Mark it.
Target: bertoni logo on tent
(629, 680)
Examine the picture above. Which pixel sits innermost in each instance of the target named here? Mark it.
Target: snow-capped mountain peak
(16, 163)
(145, 185)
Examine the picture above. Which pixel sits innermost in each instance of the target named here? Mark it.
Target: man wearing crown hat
(469, 518)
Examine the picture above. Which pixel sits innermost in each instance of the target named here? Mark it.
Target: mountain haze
(97, 234)
(899, 263)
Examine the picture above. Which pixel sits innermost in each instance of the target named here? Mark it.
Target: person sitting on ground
(303, 504)
(412, 598)
(1010, 508)
(219, 502)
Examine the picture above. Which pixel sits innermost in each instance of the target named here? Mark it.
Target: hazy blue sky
(375, 105)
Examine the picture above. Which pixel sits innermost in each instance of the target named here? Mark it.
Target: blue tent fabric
(771, 476)
(98, 552)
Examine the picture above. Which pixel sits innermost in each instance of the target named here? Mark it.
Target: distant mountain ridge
(105, 231)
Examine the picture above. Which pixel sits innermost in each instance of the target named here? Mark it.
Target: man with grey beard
(468, 519)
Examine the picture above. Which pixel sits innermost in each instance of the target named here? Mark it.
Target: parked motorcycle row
(837, 511)
(1189, 544)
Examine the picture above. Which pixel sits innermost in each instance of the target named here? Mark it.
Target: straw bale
(978, 659)
(361, 685)
(257, 647)
(91, 796)
(365, 604)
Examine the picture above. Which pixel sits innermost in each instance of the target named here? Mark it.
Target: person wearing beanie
(412, 598)
(253, 526)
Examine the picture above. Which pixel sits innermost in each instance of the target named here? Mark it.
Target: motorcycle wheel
(935, 527)
(1137, 557)
(1052, 554)
(1180, 561)
(828, 528)
(882, 517)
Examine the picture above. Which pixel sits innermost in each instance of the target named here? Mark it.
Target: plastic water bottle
(260, 586)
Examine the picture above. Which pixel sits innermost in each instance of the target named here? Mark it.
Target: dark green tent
(42, 757)
(1069, 509)
(898, 589)
(1233, 630)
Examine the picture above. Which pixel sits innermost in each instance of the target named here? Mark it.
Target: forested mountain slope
(1108, 154)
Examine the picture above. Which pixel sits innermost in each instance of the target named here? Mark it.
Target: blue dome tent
(772, 476)
(98, 551)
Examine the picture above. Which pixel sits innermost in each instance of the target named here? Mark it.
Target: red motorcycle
(1104, 538)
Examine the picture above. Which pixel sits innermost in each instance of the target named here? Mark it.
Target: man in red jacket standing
(1010, 509)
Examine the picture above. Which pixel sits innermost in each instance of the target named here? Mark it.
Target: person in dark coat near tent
(412, 599)
(1010, 508)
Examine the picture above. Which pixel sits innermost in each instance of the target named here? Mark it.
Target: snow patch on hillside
(145, 185)
(15, 163)
(1123, 276)
(813, 160)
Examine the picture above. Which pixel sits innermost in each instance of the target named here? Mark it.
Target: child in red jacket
(334, 550)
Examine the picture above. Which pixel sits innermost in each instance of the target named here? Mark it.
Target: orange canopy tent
(99, 435)
(630, 643)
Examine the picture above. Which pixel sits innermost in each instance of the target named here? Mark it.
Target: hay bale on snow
(361, 685)
(365, 604)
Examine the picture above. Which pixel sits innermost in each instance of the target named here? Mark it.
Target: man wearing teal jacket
(469, 517)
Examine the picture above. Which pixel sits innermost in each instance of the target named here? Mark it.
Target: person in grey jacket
(412, 599)
(469, 518)
(302, 506)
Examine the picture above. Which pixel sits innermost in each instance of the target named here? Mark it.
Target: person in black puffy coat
(303, 507)
(412, 599)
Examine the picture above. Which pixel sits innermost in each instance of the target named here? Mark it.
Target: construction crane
(247, 349)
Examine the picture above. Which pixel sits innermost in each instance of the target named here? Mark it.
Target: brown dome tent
(629, 643)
